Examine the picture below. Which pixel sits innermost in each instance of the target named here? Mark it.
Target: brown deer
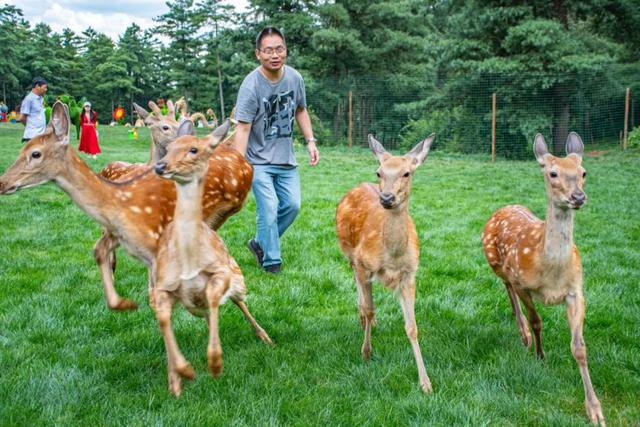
(133, 213)
(538, 259)
(377, 234)
(193, 265)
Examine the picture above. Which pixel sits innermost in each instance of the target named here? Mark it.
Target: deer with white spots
(538, 259)
(377, 234)
(134, 212)
(193, 265)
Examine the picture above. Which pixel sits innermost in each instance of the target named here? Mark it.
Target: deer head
(564, 177)
(163, 128)
(41, 159)
(395, 172)
(187, 157)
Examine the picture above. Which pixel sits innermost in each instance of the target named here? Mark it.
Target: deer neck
(155, 155)
(92, 194)
(558, 234)
(188, 214)
(395, 232)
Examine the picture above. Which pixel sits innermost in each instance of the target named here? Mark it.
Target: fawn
(538, 259)
(377, 235)
(193, 265)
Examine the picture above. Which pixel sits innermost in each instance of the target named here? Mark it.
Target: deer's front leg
(407, 300)
(216, 287)
(177, 365)
(575, 315)
(365, 306)
(104, 253)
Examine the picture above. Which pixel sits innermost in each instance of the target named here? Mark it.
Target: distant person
(269, 100)
(89, 134)
(32, 110)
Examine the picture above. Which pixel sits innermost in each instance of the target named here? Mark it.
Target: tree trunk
(220, 85)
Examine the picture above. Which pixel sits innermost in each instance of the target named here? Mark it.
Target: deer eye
(378, 174)
(406, 175)
(553, 174)
(584, 174)
(165, 127)
(193, 150)
(36, 154)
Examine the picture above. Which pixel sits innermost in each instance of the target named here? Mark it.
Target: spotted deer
(377, 235)
(133, 212)
(193, 265)
(538, 259)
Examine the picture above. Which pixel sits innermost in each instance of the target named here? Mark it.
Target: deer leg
(178, 367)
(534, 320)
(216, 288)
(261, 333)
(365, 306)
(575, 315)
(407, 301)
(104, 251)
(521, 322)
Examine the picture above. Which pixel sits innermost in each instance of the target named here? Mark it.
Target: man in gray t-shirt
(269, 100)
(32, 110)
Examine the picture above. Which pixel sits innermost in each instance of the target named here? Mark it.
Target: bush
(633, 139)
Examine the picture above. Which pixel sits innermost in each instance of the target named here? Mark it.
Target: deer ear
(141, 111)
(185, 128)
(60, 122)
(540, 148)
(420, 151)
(574, 145)
(378, 150)
(219, 133)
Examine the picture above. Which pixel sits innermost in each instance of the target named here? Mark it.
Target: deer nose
(578, 197)
(160, 167)
(387, 199)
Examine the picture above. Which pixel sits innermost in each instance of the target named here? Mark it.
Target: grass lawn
(65, 359)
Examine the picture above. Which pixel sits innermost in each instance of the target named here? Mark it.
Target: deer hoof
(124, 305)
(215, 362)
(594, 411)
(426, 387)
(175, 386)
(186, 371)
(366, 351)
(264, 337)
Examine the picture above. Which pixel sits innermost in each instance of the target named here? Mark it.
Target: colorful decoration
(118, 114)
(133, 133)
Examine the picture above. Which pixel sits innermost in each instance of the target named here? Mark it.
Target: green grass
(65, 359)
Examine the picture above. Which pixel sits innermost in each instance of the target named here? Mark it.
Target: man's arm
(304, 121)
(22, 118)
(241, 137)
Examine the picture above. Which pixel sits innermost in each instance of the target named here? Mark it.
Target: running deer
(538, 259)
(377, 234)
(193, 265)
(133, 213)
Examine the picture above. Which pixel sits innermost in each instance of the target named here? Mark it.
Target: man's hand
(314, 154)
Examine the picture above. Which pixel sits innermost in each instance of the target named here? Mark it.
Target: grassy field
(65, 359)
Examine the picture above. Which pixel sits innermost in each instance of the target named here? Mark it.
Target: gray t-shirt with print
(270, 108)
(36, 121)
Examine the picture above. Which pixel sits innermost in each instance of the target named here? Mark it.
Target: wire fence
(461, 111)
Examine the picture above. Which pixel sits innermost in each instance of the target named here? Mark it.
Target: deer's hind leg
(365, 306)
(261, 333)
(521, 321)
(534, 320)
(104, 253)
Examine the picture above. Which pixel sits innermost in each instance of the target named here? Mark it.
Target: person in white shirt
(32, 110)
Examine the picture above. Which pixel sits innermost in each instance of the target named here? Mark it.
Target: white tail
(193, 264)
(376, 233)
(538, 259)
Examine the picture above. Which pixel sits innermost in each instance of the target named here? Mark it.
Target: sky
(110, 17)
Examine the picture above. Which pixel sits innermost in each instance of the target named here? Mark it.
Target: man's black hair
(38, 81)
(268, 31)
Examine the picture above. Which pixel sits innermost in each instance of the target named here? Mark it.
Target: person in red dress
(89, 135)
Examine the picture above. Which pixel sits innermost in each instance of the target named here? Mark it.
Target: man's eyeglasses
(269, 50)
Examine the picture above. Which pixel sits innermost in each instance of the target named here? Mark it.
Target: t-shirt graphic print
(279, 115)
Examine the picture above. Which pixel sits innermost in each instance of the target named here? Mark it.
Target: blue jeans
(277, 193)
